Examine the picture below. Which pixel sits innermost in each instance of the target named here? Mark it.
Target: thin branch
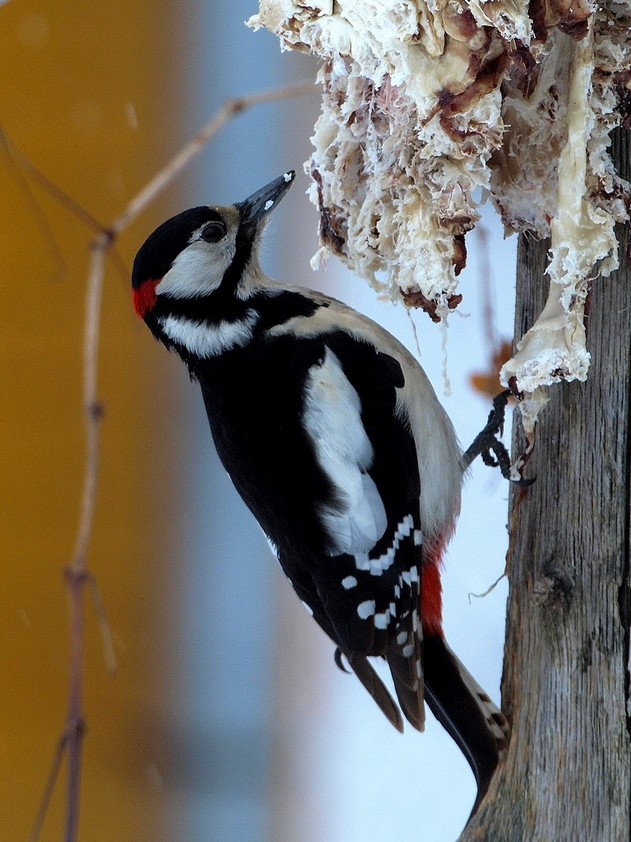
(77, 574)
(16, 162)
(19, 158)
(20, 163)
(49, 788)
(489, 590)
(106, 632)
(75, 723)
(191, 150)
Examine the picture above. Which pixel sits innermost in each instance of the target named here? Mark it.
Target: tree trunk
(565, 686)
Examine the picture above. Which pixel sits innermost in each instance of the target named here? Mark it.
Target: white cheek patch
(207, 339)
(332, 418)
(198, 269)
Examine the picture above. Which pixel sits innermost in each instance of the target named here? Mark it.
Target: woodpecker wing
(358, 663)
(368, 584)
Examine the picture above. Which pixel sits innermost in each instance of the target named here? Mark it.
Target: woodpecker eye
(214, 231)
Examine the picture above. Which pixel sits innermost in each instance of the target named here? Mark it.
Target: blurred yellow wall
(84, 93)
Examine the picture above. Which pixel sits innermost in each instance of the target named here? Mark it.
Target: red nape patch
(145, 297)
(431, 600)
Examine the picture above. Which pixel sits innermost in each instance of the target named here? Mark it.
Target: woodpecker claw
(339, 663)
(488, 445)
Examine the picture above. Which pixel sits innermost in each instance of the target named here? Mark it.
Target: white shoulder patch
(332, 417)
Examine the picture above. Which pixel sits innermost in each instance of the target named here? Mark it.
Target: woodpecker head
(196, 266)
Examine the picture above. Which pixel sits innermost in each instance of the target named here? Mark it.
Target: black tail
(465, 711)
(375, 686)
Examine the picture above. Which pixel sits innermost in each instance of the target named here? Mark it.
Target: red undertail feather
(145, 297)
(431, 595)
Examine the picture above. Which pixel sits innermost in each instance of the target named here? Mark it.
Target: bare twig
(489, 590)
(77, 574)
(16, 162)
(106, 632)
(49, 788)
(183, 158)
(21, 162)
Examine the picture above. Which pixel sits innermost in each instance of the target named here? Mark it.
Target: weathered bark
(565, 686)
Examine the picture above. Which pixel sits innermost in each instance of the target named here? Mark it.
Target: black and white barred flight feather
(334, 438)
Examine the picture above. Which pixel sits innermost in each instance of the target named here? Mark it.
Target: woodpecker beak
(259, 204)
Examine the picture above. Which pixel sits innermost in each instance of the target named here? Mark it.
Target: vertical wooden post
(565, 686)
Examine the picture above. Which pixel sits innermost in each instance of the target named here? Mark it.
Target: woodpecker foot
(339, 663)
(489, 446)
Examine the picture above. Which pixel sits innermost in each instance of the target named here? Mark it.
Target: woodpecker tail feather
(478, 726)
(408, 684)
(377, 689)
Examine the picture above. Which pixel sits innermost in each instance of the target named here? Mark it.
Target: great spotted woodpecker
(333, 436)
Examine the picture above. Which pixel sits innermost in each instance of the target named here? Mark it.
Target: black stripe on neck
(217, 306)
(275, 307)
(247, 233)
